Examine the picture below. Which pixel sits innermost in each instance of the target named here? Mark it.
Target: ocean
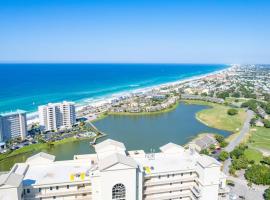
(26, 86)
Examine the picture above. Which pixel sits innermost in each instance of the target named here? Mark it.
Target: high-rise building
(54, 116)
(116, 174)
(13, 125)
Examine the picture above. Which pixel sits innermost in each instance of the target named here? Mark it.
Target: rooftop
(12, 113)
(55, 172)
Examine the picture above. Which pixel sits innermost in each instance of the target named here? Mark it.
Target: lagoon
(136, 132)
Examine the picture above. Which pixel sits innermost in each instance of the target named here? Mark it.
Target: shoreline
(33, 116)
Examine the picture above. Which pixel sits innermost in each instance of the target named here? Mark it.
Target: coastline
(33, 116)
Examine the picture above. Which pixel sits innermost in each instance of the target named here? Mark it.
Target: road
(243, 132)
(241, 188)
(250, 193)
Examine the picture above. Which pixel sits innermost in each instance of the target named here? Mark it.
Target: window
(119, 192)
(50, 188)
(67, 186)
(28, 190)
(57, 187)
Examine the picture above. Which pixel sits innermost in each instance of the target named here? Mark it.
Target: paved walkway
(243, 132)
(241, 188)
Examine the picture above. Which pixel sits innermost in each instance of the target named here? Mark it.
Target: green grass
(216, 116)
(253, 154)
(36, 147)
(260, 138)
(23, 150)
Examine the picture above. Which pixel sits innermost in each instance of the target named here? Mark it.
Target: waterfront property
(115, 173)
(137, 132)
(13, 125)
(57, 115)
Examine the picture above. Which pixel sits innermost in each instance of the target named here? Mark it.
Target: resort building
(54, 116)
(113, 173)
(13, 125)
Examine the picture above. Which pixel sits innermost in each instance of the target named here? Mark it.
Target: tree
(240, 163)
(253, 121)
(204, 151)
(204, 94)
(266, 194)
(212, 147)
(258, 174)
(223, 144)
(251, 104)
(238, 151)
(219, 138)
(223, 95)
(266, 123)
(224, 155)
(232, 111)
(266, 160)
(236, 94)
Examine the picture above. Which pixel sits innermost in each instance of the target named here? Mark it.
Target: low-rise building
(114, 173)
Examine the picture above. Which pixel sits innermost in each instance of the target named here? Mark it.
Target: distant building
(202, 142)
(13, 125)
(54, 116)
(116, 174)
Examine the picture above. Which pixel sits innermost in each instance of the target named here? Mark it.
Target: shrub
(212, 147)
(232, 111)
(224, 155)
(223, 144)
(258, 174)
(266, 160)
(240, 163)
(266, 123)
(238, 151)
(266, 194)
(204, 151)
(219, 138)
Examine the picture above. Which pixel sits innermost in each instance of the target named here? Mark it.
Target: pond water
(136, 132)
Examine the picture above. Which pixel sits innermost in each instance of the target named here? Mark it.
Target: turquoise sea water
(25, 86)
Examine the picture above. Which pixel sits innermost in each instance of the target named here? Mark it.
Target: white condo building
(13, 125)
(54, 116)
(116, 174)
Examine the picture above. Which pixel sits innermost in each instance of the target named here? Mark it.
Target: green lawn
(260, 138)
(252, 154)
(36, 147)
(217, 116)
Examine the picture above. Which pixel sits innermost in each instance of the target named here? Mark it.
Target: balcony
(167, 196)
(57, 194)
(150, 182)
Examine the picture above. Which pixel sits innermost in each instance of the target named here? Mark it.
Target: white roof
(207, 161)
(45, 156)
(172, 148)
(55, 173)
(11, 179)
(114, 159)
(109, 142)
(164, 163)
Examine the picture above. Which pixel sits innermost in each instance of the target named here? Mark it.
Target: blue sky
(171, 31)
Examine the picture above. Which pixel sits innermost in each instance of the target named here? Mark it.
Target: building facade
(116, 174)
(13, 125)
(54, 116)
